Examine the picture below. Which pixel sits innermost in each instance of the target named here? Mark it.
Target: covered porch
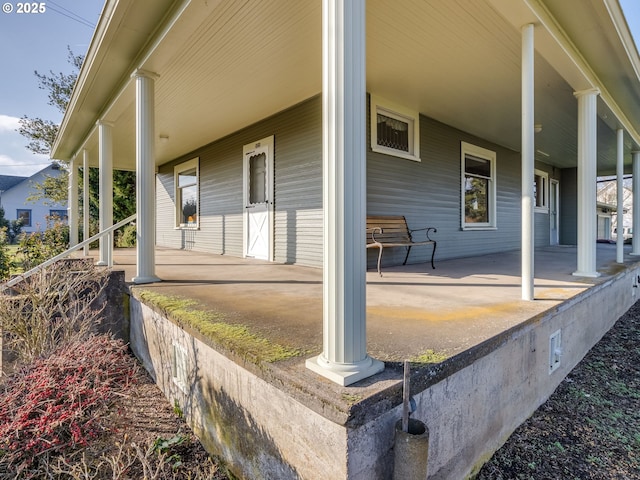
(411, 310)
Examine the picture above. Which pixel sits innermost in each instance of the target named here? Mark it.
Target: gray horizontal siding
(428, 193)
(298, 191)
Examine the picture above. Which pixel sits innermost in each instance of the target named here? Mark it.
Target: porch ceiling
(226, 64)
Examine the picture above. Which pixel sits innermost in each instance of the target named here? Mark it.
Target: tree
(42, 133)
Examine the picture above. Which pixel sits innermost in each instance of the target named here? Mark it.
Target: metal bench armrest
(373, 231)
(428, 229)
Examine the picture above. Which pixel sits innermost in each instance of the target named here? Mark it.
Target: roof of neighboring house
(10, 181)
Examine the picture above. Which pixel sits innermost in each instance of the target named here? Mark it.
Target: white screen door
(258, 199)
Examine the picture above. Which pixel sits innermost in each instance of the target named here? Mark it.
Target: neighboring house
(607, 193)
(271, 129)
(605, 212)
(14, 194)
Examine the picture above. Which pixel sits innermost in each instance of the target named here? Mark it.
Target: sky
(38, 41)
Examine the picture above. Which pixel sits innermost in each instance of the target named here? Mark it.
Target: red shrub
(56, 402)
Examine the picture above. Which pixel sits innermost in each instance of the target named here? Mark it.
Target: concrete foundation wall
(472, 412)
(470, 405)
(260, 431)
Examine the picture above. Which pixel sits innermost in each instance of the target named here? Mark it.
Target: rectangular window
(478, 187)
(541, 191)
(59, 214)
(24, 216)
(394, 130)
(187, 180)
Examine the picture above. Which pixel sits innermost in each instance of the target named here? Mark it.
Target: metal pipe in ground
(411, 451)
(411, 447)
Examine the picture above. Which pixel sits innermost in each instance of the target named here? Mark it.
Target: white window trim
(545, 199)
(468, 148)
(188, 165)
(379, 105)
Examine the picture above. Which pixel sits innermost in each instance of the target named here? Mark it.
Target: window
(478, 187)
(541, 191)
(25, 217)
(187, 178)
(59, 214)
(395, 130)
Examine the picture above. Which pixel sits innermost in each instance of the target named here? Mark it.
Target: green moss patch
(237, 338)
(429, 356)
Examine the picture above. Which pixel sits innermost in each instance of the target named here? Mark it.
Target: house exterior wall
(427, 193)
(298, 190)
(15, 199)
(569, 206)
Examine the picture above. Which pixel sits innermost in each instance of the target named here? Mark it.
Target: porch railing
(106, 232)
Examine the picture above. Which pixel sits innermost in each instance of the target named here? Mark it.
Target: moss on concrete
(429, 356)
(234, 337)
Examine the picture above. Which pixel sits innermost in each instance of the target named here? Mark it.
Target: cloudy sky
(38, 41)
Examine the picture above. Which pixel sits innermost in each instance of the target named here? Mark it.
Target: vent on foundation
(179, 367)
(555, 351)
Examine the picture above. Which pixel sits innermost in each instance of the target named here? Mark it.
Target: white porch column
(105, 158)
(528, 162)
(145, 177)
(587, 177)
(635, 155)
(620, 195)
(344, 358)
(85, 199)
(72, 207)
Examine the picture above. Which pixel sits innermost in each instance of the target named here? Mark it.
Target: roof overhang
(224, 65)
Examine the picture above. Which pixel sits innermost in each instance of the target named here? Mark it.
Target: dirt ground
(590, 427)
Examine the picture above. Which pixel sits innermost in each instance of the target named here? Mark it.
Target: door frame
(269, 143)
(554, 192)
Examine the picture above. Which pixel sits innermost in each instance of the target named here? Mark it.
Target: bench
(392, 231)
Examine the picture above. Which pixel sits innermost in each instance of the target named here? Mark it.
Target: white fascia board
(561, 38)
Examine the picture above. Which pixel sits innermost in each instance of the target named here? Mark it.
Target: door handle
(250, 206)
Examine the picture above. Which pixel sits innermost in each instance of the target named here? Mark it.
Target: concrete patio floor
(411, 309)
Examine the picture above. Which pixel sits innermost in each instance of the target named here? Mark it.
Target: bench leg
(379, 260)
(407, 257)
(433, 254)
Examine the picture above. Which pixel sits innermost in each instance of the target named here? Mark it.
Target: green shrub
(6, 259)
(126, 236)
(38, 247)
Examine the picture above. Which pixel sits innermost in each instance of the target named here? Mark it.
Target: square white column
(528, 162)
(344, 358)
(635, 155)
(105, 159)
(620, 195)
(72, 207)
(587, 177)
(145, 177)
(85, 199)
